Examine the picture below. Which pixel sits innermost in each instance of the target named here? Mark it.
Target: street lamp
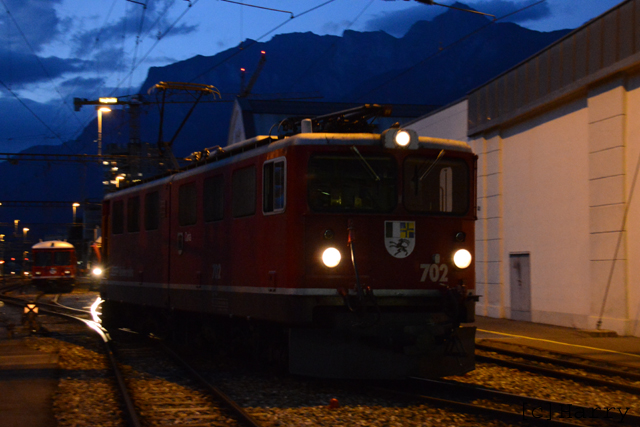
(24, 233)
(75, 205)
(100, 111)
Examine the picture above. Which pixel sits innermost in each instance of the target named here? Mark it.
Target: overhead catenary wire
(24, 37)
(253, 42)
(160, 37)
(31, 111)
(259, 7)
(135, 49)
(307, 72)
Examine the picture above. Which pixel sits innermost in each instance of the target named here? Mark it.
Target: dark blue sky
(54, 50)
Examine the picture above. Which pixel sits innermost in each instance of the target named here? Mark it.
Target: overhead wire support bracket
(14, 158)
(196, 90)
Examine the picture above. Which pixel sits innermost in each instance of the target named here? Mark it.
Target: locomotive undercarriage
(325, 339)
(54, 285)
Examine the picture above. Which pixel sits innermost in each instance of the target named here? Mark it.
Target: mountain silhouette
(435, 63)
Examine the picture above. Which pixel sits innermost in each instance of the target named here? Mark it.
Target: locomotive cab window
(42, 259)
(346, 182)
(273, 187)
(61, 258)
(213, 198)
(436, 186)
(187, 204)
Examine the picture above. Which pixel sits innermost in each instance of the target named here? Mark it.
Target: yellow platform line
(561, 343)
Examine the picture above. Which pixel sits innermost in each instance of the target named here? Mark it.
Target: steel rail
(131, 413)
(471, 408)
(565, 354)
(482, 392)
(566, 363)
(559, 374)
(230, 403)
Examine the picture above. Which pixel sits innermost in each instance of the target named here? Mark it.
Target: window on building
(213, 198)
(187, 204)
(133, 214)
(273, 188)
(243, 187)
(117, 217)
(152, 211)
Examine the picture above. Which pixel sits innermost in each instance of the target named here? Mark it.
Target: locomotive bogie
(347, 244)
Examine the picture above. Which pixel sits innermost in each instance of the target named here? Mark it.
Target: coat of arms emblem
(400, 237)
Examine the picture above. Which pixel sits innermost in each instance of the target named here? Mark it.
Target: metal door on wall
(520, 278)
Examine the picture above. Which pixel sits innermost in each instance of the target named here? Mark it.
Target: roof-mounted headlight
(400, 138)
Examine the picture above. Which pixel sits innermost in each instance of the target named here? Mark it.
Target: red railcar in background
(54, 265)
(355, 248)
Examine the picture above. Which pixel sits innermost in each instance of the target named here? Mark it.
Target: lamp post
(75, 205)
(100, 111)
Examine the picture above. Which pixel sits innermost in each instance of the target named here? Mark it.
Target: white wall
(632, 134)
(450, 123)
(557, 186)
(545, 214)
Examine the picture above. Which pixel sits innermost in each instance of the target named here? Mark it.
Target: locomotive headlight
(402, 138)
(462, 258)
(97, 271)
(331, 257)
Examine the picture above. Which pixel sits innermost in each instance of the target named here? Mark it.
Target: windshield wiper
(366, 164)
(440, 154)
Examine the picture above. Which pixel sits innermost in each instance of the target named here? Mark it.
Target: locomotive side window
(346, 182)
(213, 198)
(436, 186)
(273, 188)
(117, 218)
(133, 214)
(187, 204)
(152, 211)
(243, 187)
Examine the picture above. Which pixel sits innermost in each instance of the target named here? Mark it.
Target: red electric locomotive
(54, 265)
(359, 246)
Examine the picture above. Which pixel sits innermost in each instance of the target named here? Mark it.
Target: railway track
(165, 390)
(515, 408)
(557, 367)
(156, 386)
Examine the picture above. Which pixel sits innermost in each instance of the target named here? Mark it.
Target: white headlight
(97, 271)
(462, 258)
(331, 257)
(403, 138)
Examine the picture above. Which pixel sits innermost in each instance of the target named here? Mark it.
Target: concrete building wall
(449, 123)
(558, 230)
(556, 188)
(632, 167)
(545, 212)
